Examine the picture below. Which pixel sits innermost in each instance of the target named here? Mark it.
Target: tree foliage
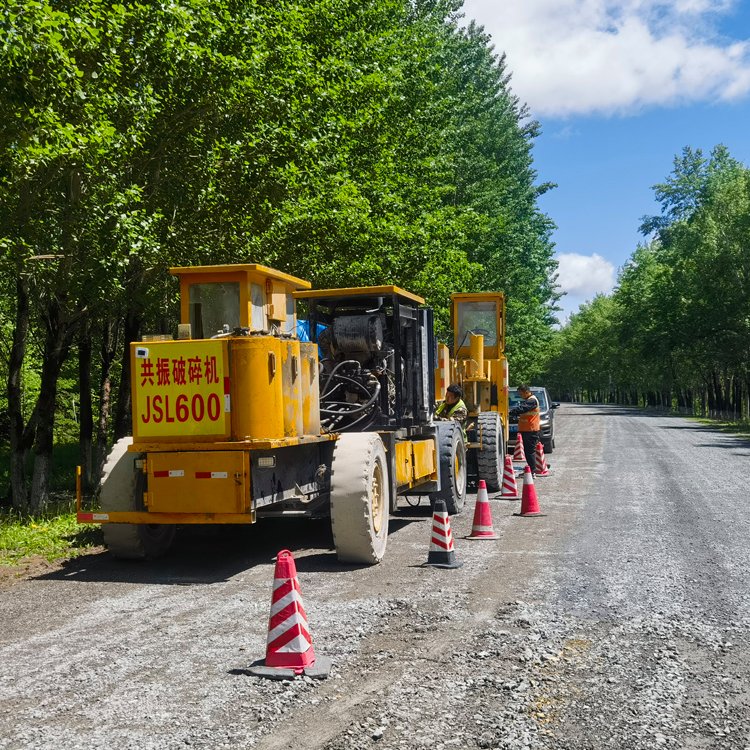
(344, 142)
(676, 330)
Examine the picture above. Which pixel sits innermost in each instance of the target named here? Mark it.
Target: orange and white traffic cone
(518, 453)
(442, 554)
(529, 502)
(481, 528)
(542, 470)
(289, 648)
(510, 488)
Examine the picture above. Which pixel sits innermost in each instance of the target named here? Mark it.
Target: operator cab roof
(248, 268)
(360, 291)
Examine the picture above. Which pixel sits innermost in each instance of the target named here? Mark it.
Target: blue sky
(619, 89)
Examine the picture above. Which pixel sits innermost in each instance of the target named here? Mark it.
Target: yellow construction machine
(238, 419)
(479, 365)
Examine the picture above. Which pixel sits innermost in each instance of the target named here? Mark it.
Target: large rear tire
(359, 498)
(491, 456)
(120, 488)
(452, 457)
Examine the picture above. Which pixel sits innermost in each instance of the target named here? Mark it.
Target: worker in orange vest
(529, 427)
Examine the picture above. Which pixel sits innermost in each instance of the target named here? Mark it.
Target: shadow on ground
(214, 554)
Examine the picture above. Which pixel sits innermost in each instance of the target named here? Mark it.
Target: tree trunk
(108, 353)
(123, 417)
(56, 346)
(18, 491)
(87, 413)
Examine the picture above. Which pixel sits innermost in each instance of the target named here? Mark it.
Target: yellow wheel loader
(479, 365)
(238, 419)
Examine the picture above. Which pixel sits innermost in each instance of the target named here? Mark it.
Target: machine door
(198, 482)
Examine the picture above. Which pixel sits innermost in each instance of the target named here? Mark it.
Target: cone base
(530, 515)
(318, 670)
(442, 560)
(507, 497)
(546, 474)
(482, 536)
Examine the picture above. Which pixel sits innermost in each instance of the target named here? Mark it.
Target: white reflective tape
(294, 619)
(219, 475)
(100, 517)
(298, 645)
(176, 472)
(285, 601)
(227, 402)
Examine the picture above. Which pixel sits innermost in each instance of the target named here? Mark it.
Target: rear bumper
(162, 518)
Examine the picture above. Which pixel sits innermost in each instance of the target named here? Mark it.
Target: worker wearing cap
(529, 426)
(453, 407)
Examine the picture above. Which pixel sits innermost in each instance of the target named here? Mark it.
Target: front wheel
(452, 458)
(359, 498)
(491, 456)
(121, 486)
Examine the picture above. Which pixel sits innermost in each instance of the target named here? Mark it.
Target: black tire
(359, 498)
(120, 488)
(491, 457)
(452, 457)
(549, 445)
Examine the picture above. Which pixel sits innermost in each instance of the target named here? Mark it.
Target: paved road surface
(619, 620)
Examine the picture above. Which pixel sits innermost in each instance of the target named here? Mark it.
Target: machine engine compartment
(377, 355)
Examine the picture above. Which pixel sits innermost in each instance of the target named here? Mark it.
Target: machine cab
(247, 298)
(481, 314)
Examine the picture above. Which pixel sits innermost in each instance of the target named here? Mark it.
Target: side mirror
(555, 404)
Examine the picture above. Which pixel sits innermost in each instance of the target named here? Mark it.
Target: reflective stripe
(442, 405)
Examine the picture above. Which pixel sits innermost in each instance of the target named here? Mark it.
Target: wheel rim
(459, 472)
(376, 495)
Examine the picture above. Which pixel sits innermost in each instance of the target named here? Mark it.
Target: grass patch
(739, 427)
(54, 536)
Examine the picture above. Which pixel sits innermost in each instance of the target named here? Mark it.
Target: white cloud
(573, 57)
(584, 275)
(581, 277)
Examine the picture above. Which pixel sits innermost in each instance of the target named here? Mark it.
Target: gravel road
(618, 620)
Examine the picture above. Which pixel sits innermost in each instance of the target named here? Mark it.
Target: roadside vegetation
(346, 143)
(53, 535)
(675, 333)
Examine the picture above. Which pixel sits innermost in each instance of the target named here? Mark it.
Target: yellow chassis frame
(151, 517)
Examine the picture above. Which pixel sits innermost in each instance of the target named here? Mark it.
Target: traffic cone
(442, 554)
(529, 502)
(518, 454)
(542, 470)
(481, 528)
(510, 488)
(289, 649)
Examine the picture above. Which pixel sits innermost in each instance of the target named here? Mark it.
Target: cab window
(478, 317)
(212, 306)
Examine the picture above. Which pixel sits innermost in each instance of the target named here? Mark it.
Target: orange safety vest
(529, 420)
